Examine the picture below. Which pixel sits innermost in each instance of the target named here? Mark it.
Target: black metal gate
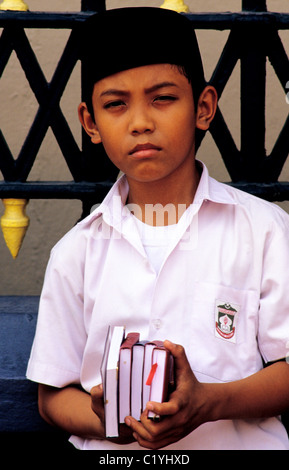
(253, 37)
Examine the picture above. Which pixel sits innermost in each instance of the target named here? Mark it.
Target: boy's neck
(162, 202)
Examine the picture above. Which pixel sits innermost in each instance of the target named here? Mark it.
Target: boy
(170, 253)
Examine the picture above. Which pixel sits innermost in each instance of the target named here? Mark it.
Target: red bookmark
(151, 374)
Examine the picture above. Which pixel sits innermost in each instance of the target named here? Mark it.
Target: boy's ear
(88, 123)
(207, 106)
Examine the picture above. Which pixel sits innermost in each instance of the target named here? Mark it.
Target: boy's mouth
(144, 150)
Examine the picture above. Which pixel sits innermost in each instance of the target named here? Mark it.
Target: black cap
(125, 38)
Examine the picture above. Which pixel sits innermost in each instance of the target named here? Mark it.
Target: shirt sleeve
(273, 335)
(60, 338)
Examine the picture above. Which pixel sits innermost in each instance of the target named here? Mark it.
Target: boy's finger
(179, 354)
(168, 408)
(96, 392)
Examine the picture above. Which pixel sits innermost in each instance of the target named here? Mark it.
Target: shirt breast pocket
(221, 334)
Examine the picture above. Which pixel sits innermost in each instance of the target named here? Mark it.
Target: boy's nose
(141, 122)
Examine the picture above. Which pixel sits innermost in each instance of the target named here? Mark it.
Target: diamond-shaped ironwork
(49, 113)
(252, 40)
(251, 162)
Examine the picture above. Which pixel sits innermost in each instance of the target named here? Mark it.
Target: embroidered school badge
(225, 318)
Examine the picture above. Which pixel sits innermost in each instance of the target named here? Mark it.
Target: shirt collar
(113, 208)
(211, 190)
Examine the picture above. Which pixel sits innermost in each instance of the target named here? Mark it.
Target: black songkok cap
(125, 38)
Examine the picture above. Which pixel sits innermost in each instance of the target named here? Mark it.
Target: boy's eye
(165, 98)
(115, 104)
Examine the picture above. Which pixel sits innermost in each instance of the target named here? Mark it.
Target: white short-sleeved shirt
(221, 290)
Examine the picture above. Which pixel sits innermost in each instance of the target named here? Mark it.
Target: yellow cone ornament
(14, 5)
(14, 224)
(176, 5)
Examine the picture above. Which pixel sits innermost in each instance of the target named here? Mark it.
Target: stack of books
(133, 372)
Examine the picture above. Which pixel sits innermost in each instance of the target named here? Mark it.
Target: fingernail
(127, 421)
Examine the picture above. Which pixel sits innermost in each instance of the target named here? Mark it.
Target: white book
(161, 376)
(125, 364)
(149, 347)
(109, 369)
(137, 379)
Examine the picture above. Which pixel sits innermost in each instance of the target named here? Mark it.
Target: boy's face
(145, 117)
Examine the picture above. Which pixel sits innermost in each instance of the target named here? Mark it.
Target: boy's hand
(125, 434)
(97, 406)
(180, 415)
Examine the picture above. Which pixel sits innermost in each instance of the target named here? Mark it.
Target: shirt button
(157, 323)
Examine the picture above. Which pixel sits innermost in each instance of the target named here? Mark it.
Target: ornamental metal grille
(254, 37)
